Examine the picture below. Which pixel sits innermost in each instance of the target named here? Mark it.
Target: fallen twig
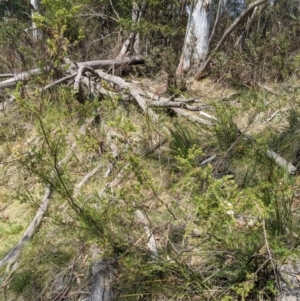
(174, 104)
(59, 81)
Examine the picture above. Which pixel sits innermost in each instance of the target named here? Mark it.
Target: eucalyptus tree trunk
(196, 41)
(35, 8)
(133, 41)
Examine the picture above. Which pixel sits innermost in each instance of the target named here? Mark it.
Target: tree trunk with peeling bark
(196, 42)
(35, 8)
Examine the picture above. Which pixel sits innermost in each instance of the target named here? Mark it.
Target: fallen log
(10, 83)
(23, 76)
(282, 162)
(6, 75)
(15, 252)
(126, 61)
(101, 283)
(134, 91)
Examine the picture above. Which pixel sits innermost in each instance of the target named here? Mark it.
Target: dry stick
(268, 89)
(15, 252)
(173, 104)
(5, 206)
(226, 33)
(185, 100)
(208, 160)
(140, 216)
(191, 117)
(269, 253)
(207, 115)
(158, 98)
(85, 179)
(59, 81)
(249, 21)
(6, 75)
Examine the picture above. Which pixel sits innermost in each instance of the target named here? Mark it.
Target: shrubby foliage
(221, 226)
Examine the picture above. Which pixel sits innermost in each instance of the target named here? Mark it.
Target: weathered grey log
(192, 117)
(289, 281)
(282, 162)
(135, 60)
(134, 91)
(10, 83)
(15, 252)
(6, 75)
(101, 284)
(81, 70)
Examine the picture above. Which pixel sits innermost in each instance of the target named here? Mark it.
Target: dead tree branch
(23, 76)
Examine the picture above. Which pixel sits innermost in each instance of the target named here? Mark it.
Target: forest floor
(172, 225)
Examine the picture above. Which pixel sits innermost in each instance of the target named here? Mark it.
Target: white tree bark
(226, 34)
(196, 42)
(35, 8)
(133, 41)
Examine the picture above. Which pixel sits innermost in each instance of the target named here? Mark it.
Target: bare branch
(226, 34)
(6, 75)
(59, 81)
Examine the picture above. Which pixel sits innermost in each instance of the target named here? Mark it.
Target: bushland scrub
(178, 196)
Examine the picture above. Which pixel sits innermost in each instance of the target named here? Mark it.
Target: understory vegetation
(172, 208)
